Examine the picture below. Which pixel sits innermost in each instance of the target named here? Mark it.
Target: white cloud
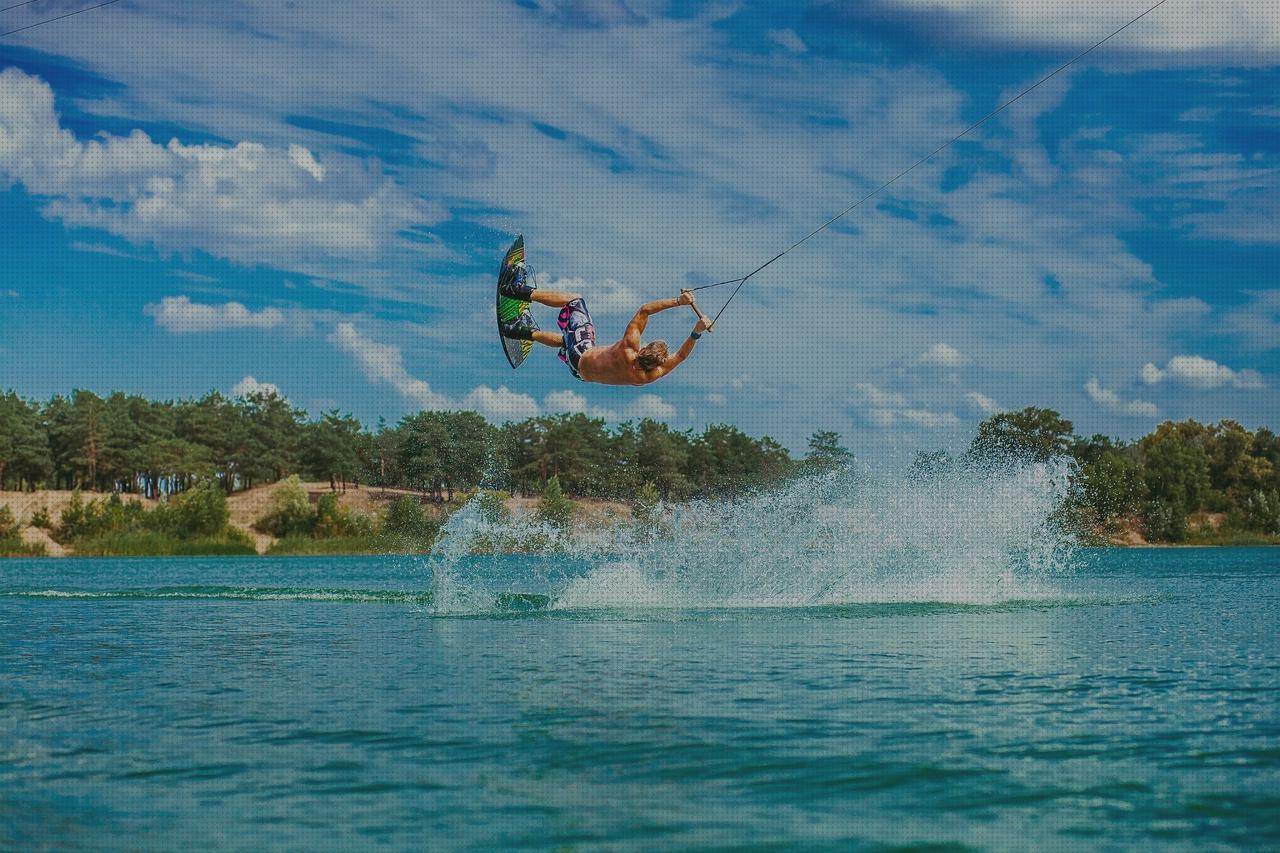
(385, 363)
(245, 202)
(102, 249)
(605, 297)
(872, 396)
(573, 403)
(1200, 114)
(566, 401)
(198, 278)
(717, 399)
(788, 39)
(1257, 323)
(11, 294)
(929, 420)
(178, 314)
(941, 355)
(249, 386)
(1202, 374)
(982, 403)
(306, 161)
(501, 403)
(650, 406)
(701, 186)
(1231, 30)
(1110, 400)
(888, 408)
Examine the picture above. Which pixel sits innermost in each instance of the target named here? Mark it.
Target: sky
(315, 197)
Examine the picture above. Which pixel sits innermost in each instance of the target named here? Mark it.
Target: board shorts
(579, 334)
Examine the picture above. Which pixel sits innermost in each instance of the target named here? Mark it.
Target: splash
(964, 536)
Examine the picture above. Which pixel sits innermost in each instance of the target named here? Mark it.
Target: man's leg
(554, 298)
(551, 339)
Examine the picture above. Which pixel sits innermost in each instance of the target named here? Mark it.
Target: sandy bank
(252, 504)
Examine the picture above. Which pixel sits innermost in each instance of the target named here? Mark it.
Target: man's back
(616, 365)
(624, 363)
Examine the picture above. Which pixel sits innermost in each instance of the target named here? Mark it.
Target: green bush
(1262, 512)
(13, 546)
(201, 511)
(291, 513)
(146, 543)
(192, 522)
(407, 519)
(334, 521)
(8, 525)
(81, 520)
(40, 518)
(1166, 522)
(553, 507)
(492, 505)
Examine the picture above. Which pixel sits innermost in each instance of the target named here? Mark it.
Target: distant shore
(249, 506)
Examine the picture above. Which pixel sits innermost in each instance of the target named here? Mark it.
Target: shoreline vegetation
(124, 476)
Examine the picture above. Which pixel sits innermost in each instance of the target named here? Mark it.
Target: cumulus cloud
(384, 363)
(249, 386)
(573, 403)
(645, 406)
(650, 406)
(1111, 401)
(244, 202)
(941, 355)
(306, 161)
(1202, 374)
(674, 183)
(501, 403)
(982, 403)
(178, 314)
(605, 297)
(889, 408)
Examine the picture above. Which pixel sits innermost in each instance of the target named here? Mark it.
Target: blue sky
(229, 195)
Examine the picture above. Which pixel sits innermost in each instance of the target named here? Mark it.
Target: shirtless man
(623, 363)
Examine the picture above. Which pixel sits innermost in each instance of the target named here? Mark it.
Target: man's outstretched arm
(635, 329)
(686, 349)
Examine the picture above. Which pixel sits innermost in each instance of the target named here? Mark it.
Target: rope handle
(696, 309)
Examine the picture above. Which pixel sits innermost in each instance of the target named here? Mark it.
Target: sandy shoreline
(252, 504)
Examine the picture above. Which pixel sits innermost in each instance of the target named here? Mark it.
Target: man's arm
(686, 349)
(635, 329)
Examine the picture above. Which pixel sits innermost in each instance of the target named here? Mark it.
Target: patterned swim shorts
(579, 334)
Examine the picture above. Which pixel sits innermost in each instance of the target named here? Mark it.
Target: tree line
(1163, 484)
(127, 444)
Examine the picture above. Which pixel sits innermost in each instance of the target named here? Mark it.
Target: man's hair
(652, 355)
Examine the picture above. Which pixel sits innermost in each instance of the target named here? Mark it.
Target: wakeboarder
(627, 362)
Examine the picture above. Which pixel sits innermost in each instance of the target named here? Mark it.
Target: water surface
(326, 702)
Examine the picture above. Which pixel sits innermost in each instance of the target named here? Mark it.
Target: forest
(1185, 480)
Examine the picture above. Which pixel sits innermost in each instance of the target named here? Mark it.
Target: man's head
(652, 355)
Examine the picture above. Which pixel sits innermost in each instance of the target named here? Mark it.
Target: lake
(328, 702)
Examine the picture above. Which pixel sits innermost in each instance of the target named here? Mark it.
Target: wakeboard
(509, 309)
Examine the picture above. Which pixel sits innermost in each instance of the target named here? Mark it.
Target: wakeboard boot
(516, 285)
(521, 328)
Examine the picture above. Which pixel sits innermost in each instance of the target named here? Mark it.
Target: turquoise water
(1122, 699)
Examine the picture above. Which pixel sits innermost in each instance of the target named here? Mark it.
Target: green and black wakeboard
(509, 309)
